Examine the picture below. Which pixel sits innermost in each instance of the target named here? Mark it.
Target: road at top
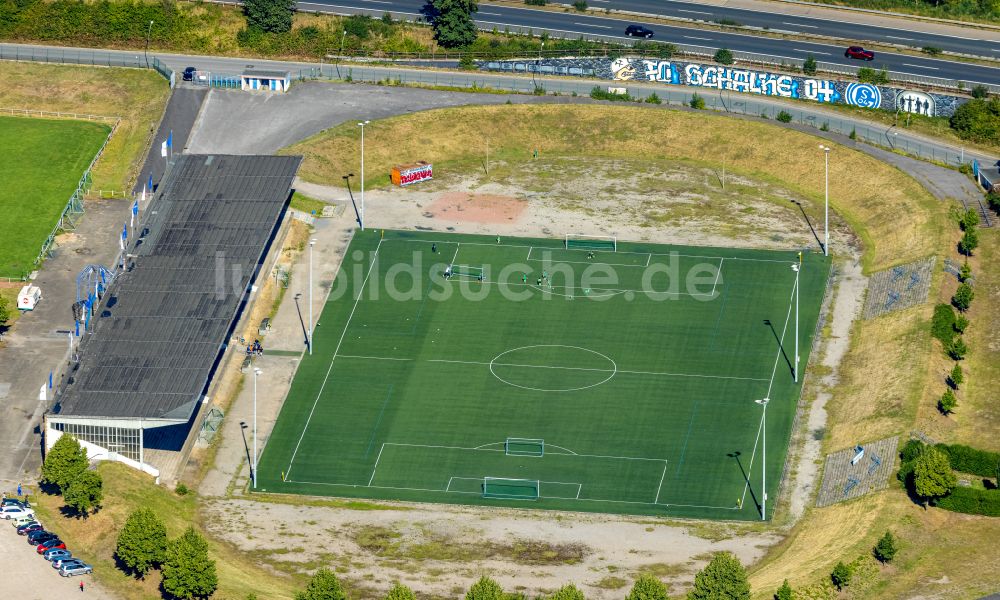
(573, 24)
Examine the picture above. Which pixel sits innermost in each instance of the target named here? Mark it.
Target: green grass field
(43, 161)
(624, 383)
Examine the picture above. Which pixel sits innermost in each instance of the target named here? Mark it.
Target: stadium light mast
(826, 195)
(763, 460)
(797, 267)
(312, 243)
(362, 126)
(256, 372)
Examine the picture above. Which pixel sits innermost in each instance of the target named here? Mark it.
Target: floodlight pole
(256, 372)
(145, 52)
(362, 125)
(763, 460)
(312, 243)
(826, 195)
(797, 267)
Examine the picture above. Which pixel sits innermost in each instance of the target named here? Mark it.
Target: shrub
(961, 324)
(182, 490)
(841, 575)
(467, 63)
(978, 120)
(825, 126)
(886, 548)
(947, 402)
(599, 93)
(784, 117)
(970, 220)
(485, 589)
(963, 297)
(400, 592)
(647, 587)
(784, 592)
(724, 56)
(970, 460)
(697, 102)
(972, 501)
(723, 577)
(980, 92)
(943, 323)
(956, 377)
(567, 592)
(869, 75)
(809, 65)
(957, 349)
(653, 99)
(969, 242)
(854, 134)
(580, 5)
(729, 22)
(965, 272)
(932, 50)
(535, 2)
(912, 449)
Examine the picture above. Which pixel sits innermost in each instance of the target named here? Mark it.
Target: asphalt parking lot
(28, 576)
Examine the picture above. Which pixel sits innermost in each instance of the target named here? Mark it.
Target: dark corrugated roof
(264, 74)
(163, 324)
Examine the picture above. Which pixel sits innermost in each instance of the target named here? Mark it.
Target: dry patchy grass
(137, 96)
(869, 194)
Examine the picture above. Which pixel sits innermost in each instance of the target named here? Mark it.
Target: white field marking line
(568, 451)
(717, 275)
(922, 67)
(657, 499)
(326, 377)
(488, 450)
(457, 246)
(586, 262)
(611, 291)
(648, 258)
(800, 25)
(530, 248)
(373, 357)
(746, 482)
(376, 464)
(653, 373)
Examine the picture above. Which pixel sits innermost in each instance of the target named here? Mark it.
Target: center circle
(536, 367)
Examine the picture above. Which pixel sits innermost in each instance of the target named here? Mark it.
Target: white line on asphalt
(589, 25)
(377, 1)
(695, 12)
(812, 52)
(691, 37)
(486, 13)
(921, 67)
(799, 25)
(896, 37)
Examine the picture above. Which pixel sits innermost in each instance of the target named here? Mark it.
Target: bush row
(972, 501)
(973, 461)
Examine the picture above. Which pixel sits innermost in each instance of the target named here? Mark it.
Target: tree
(697, 102)
(567, 592)
(969, 242)
(948, 402)
(886, 548)
(970, 219)
(453, 24)
(85, 492)
(932, 475)
(963, 297)
(961, 323)
(142, 542)
(647, 587)
(64, 462)
(187, 570)
(978, 119)
(400, 592)
(324, 585)
(4, 311)
(724, 56)
(485, 589)
(784, 592)
(809, 65)
(979, 91)
(723, 578)
(270, 16)
(956, 376)
(957, 349)
(965, 272)
(841, 575)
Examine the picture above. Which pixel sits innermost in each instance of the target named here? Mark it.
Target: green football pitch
(42, 162)
(625, 381)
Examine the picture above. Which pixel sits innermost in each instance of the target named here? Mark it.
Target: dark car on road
(189, 74)
(638, 31)
(859, 53)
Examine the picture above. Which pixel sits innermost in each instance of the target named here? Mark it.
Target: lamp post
(763, 460)
(797, 267)
(256, 372)
(312, 243)
(145, 52)
(243, 432)
(362, 126)
(826, 195)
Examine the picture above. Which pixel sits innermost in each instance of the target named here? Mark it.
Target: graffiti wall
(721, 77)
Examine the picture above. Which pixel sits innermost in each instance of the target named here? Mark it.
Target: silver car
(75, 568)
(62, 562)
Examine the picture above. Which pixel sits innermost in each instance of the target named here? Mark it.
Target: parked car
(15, 502)
(29, 527)
(37, 537)
(50, 544)
(11, 511)
(53, 554)
(859, 53)
(188, 74)
(71, 569)
(638, 31)
(62, 562)
(18, 521)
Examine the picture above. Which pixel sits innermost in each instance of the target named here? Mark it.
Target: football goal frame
(524, 447)
(504, 488)
(579, 241)
(465, 271)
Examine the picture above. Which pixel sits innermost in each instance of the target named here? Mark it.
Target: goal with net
(464, 271)
(576, 241)
(510, 489)
(524, 447)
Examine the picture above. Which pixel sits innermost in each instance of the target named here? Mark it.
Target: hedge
(972, 501)
(943, 323)
(971, 460)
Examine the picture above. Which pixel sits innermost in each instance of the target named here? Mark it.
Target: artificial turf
(579, 395)
(43, 160)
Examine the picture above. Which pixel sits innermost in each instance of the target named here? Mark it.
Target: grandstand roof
(164, 322)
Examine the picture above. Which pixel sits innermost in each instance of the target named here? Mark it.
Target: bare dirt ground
(440, 550)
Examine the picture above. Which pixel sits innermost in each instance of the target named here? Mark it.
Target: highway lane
(574, 24)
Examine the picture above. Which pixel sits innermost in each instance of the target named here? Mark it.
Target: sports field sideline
(589, 375)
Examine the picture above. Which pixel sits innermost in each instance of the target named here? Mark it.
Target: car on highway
(29, 527)
(189, 74)
(56, 554)
(638, 31)
(859, 53)
(12, 511)
(37, 537)
(71, 569)
(50, 544)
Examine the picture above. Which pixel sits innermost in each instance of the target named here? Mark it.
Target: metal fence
(71, 56)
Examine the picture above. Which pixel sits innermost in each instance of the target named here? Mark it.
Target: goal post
(578, 241)
(464, 271)
(504, 488)
(524, 447)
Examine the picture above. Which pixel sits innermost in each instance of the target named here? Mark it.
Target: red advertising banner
(414, 173)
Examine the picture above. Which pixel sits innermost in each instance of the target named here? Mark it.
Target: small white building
(275, 81)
